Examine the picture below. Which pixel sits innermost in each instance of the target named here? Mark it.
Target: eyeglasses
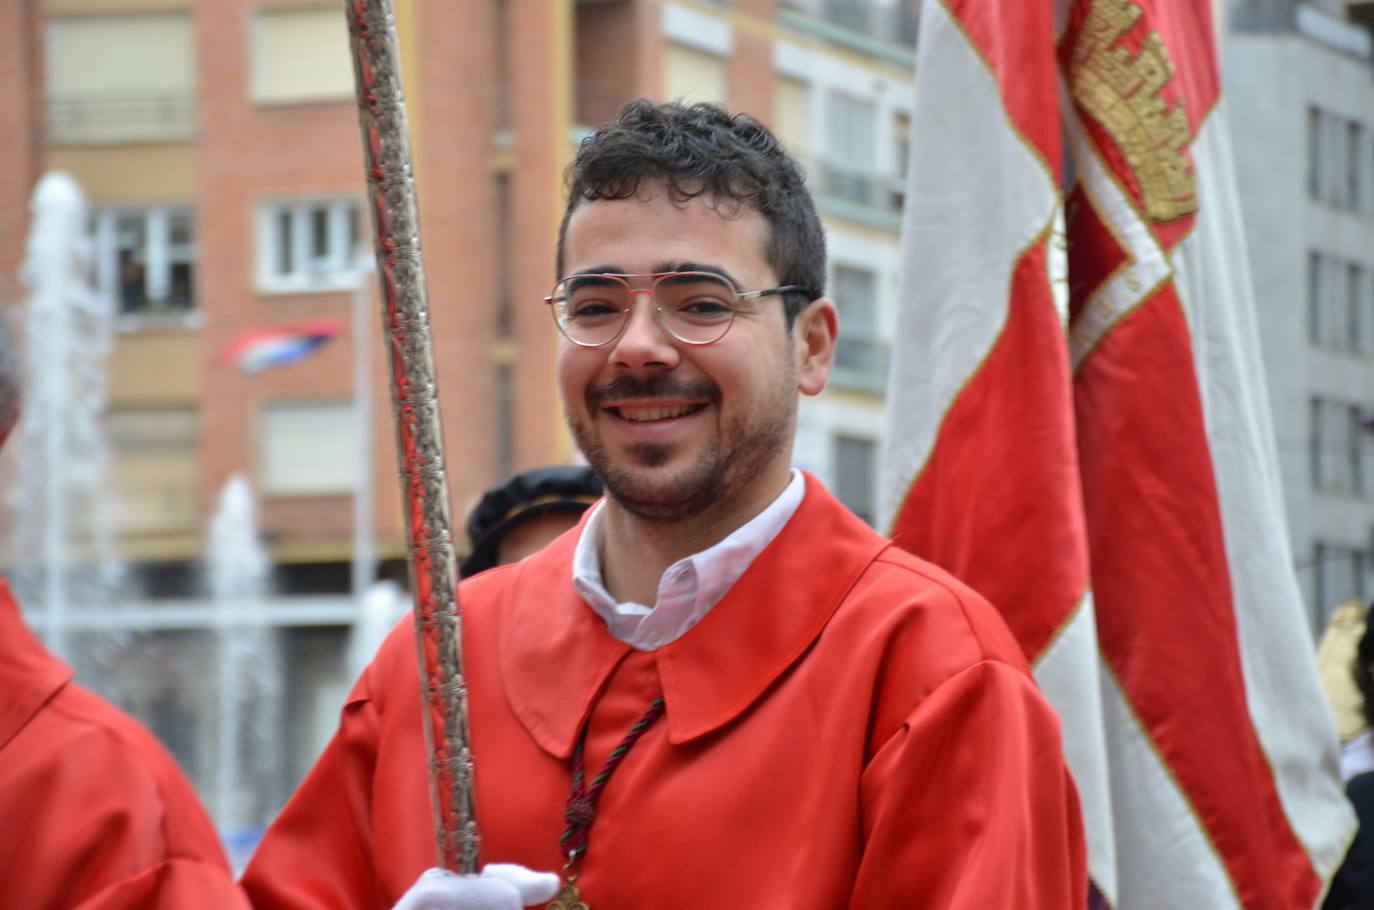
(693, 307)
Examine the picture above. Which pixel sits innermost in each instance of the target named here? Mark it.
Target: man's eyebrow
(659, 269)
(595, 270)
(697, 267)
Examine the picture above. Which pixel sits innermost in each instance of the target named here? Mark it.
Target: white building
(1300, 89)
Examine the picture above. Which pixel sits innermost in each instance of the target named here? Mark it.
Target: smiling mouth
(646, 414)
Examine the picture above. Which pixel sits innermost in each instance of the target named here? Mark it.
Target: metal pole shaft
(424, 482)
(364, 555)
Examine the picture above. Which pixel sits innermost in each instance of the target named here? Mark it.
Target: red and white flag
(1078, 427)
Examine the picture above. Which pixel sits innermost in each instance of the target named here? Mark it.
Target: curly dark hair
(704, 149)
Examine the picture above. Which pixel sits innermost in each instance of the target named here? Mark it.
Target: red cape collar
(556, 654)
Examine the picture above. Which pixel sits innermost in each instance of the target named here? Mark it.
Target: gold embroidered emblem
(1122, 93)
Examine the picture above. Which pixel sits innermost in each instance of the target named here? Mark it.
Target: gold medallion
(567, 898)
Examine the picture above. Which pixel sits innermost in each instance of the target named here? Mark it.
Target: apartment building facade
(1300, 86)
(217, 143)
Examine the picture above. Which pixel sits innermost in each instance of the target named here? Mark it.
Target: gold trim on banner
(1140, 276)
(1040, 236)
(1184, 796)
(1122, 92)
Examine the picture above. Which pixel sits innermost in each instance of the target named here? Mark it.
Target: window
(1315, 152)
(154, 473)
(854, 472)
(505, 258)
(901, 159)
(856, 15)
(1336, 446)
(308, 448)
(906, 19)
(1355, 443)
(851, 128)
(1335, 159)
(1320, 585)
(501, 66)
(1316, 330)
(693, 75)
(1337, 309)
(301, 54)
(1359, 571)
(1335, 452)
(1354, 309)
(1315, 466)
(860, 357)
(145, 258)
(120, 78)
(505, 420)
(856, 298)
(1354, 162)
(883, 19)
(1333, 166)
(1339, 574)
(309, 245)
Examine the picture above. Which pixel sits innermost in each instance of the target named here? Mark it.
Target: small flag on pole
(256, 350)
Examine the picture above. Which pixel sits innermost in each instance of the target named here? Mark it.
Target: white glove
(501, 886)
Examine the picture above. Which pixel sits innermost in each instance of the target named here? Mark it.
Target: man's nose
(644, 343)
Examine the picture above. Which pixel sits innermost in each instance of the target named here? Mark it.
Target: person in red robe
(721, 689)
(94, 812)
(97, 815)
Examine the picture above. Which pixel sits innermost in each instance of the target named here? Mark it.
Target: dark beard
(695, 490)
(688, 498)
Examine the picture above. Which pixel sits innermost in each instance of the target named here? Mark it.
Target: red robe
(849, 727)
(94, 814)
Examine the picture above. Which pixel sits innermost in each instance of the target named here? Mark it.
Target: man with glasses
(721, 689)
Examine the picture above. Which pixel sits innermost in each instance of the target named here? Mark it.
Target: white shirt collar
(691, 586)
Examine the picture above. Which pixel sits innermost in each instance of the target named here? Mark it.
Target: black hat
(560, 488)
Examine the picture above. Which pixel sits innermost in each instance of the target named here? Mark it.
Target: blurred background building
(217, 143)
(1300, 88)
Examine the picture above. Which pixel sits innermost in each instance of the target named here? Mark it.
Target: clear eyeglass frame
(702, 327)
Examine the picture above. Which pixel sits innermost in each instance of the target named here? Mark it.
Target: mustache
(623, 388)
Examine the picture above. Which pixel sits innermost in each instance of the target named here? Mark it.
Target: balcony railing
(878, 195)
(894, 23)
(1263, 15)
(861, 363)
(121, 116)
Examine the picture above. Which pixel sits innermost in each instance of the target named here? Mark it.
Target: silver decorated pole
(420, 440)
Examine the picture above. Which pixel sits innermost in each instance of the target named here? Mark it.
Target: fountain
(157, 659)
(238, 574)
(62, 542)
(200, 668)
(381, 605)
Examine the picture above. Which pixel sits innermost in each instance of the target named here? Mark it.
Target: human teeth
(654, 413)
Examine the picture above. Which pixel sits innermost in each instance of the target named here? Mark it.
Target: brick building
(217, 143)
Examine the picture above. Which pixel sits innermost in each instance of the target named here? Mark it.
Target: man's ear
(815, 331)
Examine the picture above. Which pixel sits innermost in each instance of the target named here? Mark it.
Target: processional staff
(420, 440)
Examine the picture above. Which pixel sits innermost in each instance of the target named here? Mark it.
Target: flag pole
(420, 440)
